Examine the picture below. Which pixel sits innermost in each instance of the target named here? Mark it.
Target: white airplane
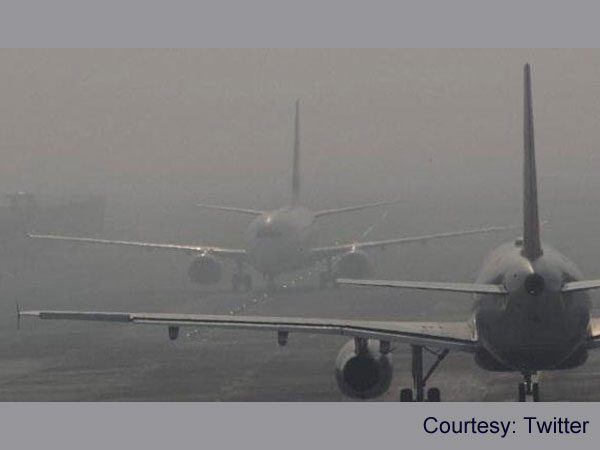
(279, 241)
(532, 312)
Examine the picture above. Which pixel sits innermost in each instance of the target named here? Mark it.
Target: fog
(156, 131)
(151, 128)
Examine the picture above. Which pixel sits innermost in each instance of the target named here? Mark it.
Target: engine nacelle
(354, 264)
(205, 269)
(364, 370)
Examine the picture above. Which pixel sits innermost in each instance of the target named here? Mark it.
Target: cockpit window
(268, 232)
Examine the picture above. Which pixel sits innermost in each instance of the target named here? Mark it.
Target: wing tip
(21, 314)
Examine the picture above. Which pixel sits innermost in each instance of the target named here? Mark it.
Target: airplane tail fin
(296, 164)
(532, 248)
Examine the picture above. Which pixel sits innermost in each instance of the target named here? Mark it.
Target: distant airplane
(279, 241)
(532, 313)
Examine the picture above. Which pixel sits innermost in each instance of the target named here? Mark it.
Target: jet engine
(363, 368)
(205, 269)
(354, 264)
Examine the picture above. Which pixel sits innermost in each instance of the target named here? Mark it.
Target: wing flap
(451, 335)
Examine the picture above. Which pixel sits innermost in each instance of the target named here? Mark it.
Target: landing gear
(433, 395)
(535, 392)
(241, 279)
(326, 278)
(419, 380)
(270, 282)
(529, 387)
(406, 395)
(235, 282)
(247, 282)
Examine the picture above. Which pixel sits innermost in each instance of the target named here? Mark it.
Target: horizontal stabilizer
(469, 288)
(252, 212)
(577, 286)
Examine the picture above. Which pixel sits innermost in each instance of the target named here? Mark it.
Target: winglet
(532, 248)
(296, 163)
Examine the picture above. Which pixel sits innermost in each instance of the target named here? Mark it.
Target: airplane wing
(252, 212)
(330, 212)
(189, 249)
(323, 252)
(447, 335)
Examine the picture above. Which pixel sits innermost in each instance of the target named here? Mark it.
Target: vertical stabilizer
(296, 163)
(531, 224)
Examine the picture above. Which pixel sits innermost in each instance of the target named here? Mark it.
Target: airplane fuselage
(280, 241)
(535, 326)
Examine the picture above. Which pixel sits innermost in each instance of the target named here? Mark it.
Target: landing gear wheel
(324, 280)
(327, 277)
(235, 282)
(535, 392)
(420, 377)
(270, 283)
(406, 395)
(247, 282)
(433, 395)
(529, 387)
(522, 391)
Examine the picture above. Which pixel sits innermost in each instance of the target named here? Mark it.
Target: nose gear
(529, 387)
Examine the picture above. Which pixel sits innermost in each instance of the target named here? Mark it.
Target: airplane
(279, 241)
(531, 313)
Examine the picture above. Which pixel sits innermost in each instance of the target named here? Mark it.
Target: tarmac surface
(74, 361)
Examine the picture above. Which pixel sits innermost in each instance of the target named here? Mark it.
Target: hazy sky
(217, 124)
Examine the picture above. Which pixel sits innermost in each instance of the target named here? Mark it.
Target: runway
(70, 361)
